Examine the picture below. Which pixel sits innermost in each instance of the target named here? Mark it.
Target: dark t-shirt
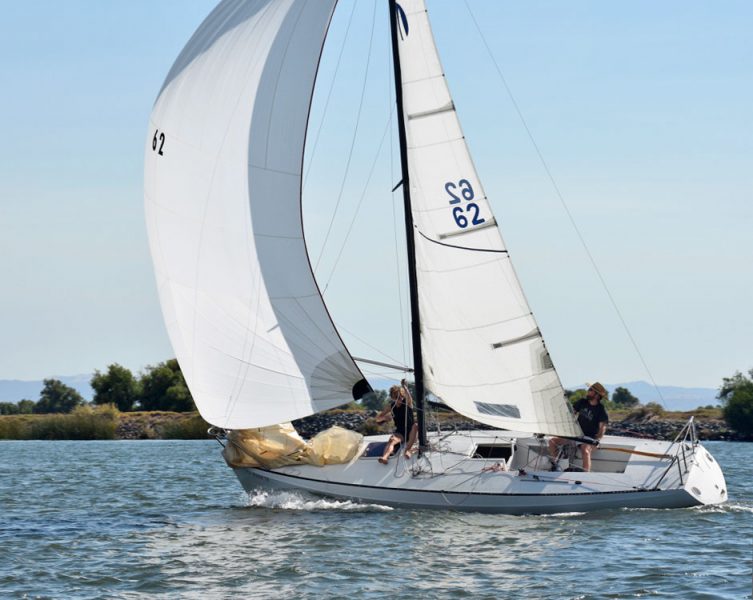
(403, 417)
(589, 416)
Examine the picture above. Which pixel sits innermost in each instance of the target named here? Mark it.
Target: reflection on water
(132, 519)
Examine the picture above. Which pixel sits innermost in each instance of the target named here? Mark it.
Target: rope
(358, 206)
(377, 350)
(564, 204)
(352, 143)
(329, 95)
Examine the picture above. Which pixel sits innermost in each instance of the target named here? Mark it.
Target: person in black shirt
(592, 418)
(401, 407)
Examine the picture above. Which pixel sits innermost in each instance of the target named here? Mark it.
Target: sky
(642, 111)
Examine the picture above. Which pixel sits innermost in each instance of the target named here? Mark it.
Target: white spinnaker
(222, 195)
(483, 353)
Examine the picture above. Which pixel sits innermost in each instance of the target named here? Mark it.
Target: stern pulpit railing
(681, 452)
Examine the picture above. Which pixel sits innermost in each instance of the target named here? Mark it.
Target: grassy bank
(84, 423)
(103, 423)
(700, 414)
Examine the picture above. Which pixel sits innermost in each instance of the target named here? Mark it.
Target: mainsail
(482, 350)
(223, 192)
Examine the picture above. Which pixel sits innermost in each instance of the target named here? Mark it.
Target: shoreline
(160, 425)
(652, 426)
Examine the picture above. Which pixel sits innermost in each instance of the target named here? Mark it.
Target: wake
(727, 507)
(298, 501)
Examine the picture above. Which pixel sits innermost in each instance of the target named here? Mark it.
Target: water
(148, 519)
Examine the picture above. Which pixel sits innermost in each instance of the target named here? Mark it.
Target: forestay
(483, 353)
(223, 194)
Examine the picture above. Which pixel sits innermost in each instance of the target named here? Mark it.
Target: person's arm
(408, 397)
(603, 422)
(382, 416)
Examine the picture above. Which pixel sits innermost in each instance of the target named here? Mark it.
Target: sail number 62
(158, 142)
(464, 188)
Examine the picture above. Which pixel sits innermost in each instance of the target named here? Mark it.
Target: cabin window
(503, 451)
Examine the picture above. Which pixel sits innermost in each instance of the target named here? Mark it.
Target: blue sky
(642, 110)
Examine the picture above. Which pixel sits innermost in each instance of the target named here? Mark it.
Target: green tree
(622, 397)
(736, 394)
(117, 386)
(374, 401)
(164, 388)
(26, 407)
(178, 396)
(574, 395)
(22, 407)
(8, 408)
(730, 384)
(56, 397)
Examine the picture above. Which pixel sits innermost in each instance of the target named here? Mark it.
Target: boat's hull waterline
(448, 478)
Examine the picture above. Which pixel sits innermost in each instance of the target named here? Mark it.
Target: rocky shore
(160, 425)
(667, 429)
(644, 426)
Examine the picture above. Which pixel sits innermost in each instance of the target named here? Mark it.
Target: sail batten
(489, 223)
(483, 352)
(435, 111)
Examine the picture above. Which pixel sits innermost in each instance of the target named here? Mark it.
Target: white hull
(449, 477)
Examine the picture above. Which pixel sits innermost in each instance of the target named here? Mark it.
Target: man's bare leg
(412, 436)
(554, 444)
(394, 441)
(586, 450)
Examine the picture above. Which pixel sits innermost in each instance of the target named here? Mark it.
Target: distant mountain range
(672, 397)
(13, 390)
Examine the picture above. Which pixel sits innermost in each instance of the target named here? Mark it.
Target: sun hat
(598, 388)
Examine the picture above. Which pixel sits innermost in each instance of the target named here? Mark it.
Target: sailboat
(254, 338)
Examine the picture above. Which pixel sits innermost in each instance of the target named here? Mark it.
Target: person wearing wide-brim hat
(592, 418)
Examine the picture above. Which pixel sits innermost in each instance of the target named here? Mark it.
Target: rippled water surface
(168, 519)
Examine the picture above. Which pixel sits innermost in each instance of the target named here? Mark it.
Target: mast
(418, 366)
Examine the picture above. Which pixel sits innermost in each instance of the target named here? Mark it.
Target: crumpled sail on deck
(223, 192)
(281, 445)
(483, 353)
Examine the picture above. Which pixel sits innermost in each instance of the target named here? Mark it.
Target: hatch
(499, 450)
